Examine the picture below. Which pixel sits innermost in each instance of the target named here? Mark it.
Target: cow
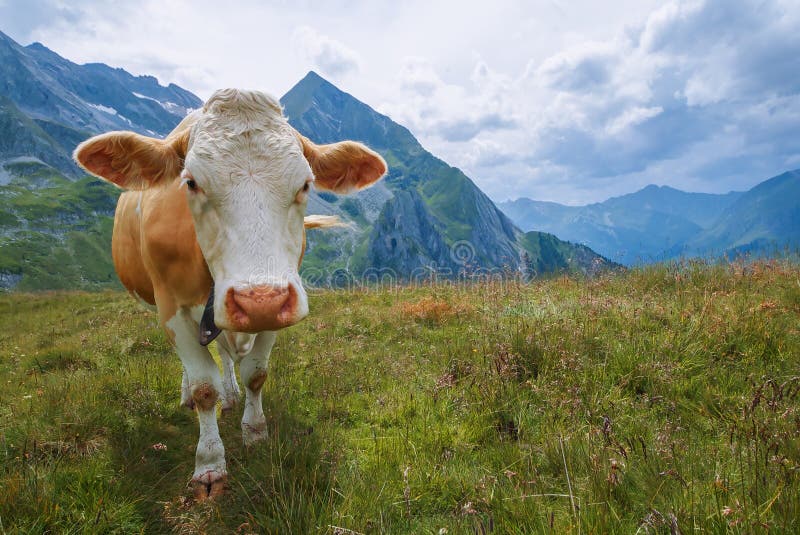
(211, 231)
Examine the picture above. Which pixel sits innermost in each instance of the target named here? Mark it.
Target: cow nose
(262, 308)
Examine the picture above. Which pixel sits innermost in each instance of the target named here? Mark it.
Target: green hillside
(57, 235)
(764, 220)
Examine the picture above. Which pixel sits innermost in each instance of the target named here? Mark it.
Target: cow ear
(343, 167)
(133, 161)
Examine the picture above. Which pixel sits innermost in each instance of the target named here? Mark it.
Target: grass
(662, 399)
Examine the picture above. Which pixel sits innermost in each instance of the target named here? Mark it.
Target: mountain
(425, 215)
(639, 227)
(660, 223)
(701, 209)
(55, 224)
(763, 220)
(49, 104)
(24, 139)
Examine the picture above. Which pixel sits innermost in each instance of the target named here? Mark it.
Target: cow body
(218, 207)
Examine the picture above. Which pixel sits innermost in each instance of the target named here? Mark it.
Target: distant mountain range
(763, 220)
(425, 217)
(661, 223)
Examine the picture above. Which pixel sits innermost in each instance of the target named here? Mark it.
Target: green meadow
(660, 400)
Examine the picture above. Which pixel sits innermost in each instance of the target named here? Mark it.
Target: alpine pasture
(659, 400)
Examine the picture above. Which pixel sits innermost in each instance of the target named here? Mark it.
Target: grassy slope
(57, 236)
(664, 395)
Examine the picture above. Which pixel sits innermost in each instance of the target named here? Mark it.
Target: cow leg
(205, 386)
(230, 387)
(186, 394)
(253, 372)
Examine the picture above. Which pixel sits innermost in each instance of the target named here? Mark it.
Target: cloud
(330, 56)
(703, 89)
(689, 26)
(22, 22)
(583, 68)
(702, 92)
(451, 112)
(464, 129)
(418, 75)
(632, 117)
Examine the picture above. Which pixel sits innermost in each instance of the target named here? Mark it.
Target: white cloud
(702, 91)
(685, 89)
(583, 68)
(332, 57)
(450, 111)
(419, 76)
(632, 117)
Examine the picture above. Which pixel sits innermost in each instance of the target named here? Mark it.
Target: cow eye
(191, 184)
(302, 193)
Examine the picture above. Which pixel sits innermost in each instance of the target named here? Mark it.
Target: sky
(570, 101)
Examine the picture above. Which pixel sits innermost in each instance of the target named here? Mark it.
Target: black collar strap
(208, 329)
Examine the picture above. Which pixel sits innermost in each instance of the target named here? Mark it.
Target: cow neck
(208, 329)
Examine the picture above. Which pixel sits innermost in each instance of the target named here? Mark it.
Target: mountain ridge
(442, 210)
(764, 219)
(662, 223)
(70, 102)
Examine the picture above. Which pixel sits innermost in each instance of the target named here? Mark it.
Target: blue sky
(554, 100)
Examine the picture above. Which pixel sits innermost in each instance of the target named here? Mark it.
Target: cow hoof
(252, 434)
(209, 485)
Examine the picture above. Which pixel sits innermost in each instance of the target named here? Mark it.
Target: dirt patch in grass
(433, 311)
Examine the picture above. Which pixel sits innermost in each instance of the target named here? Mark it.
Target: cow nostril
(289, 305)
(235, 310)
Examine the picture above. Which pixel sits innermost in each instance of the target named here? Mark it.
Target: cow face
(247, 174)
(247, 183)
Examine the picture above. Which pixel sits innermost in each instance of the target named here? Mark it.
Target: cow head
(247, 174)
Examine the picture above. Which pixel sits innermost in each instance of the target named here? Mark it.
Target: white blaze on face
(246, 180)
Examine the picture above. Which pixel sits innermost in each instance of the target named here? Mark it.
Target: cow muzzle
(263, 308)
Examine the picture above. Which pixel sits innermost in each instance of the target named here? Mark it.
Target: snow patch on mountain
(171, 107)
(105, 109)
